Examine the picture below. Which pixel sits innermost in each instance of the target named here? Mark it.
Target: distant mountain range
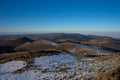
(36, 42)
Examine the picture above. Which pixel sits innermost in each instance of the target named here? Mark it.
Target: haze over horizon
(77, 16)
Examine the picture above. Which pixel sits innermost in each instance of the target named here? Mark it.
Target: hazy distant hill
(9, 44)
(15, 41)
(57, 36)
(105, 42)
(35, 46)
(43, 41)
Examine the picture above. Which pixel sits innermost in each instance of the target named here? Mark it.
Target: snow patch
(11, 67)
(55, 67)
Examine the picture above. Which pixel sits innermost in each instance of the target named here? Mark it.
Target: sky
(78, 16)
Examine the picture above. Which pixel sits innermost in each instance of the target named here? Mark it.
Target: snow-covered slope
(9, 67)
(55, 67)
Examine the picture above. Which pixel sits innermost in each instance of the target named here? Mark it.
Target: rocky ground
(62, 67)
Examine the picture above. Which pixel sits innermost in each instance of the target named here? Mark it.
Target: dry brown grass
(112, 73)
(78, 49)
(66, 46)
(37, 45)
(105, 42)
(27, 56)
(24, 56)
(88, 51)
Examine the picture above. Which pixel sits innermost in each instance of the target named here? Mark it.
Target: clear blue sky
(29, 16)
